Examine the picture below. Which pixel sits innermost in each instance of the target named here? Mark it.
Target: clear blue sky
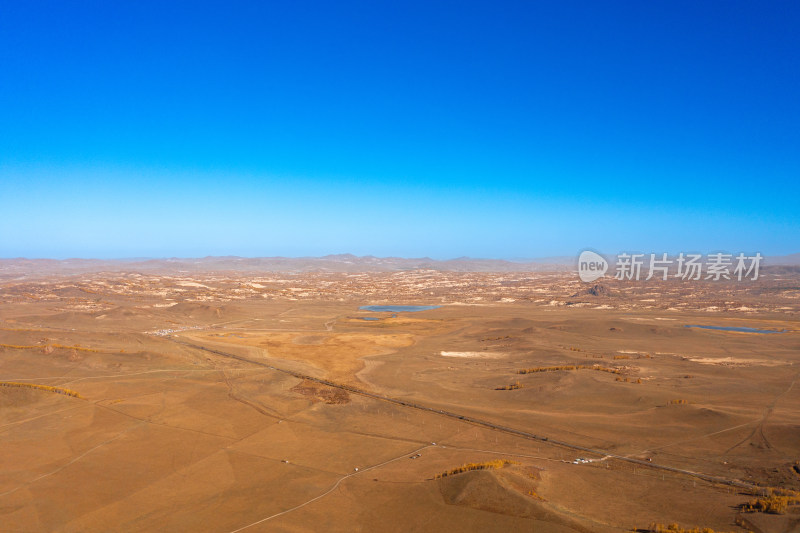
(131, 129)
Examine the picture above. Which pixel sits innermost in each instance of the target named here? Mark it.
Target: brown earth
(171, 437)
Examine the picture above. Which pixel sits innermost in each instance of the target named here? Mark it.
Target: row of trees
(513, 386)
(775, 502)
(48, 348)
(569, 367)
(675, 528)
(57, 390)
(487, 465)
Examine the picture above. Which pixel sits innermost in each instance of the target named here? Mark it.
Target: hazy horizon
(559, 259)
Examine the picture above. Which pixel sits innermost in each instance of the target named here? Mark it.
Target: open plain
(139, 400)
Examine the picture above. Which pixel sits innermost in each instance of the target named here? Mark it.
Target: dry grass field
(230, 402)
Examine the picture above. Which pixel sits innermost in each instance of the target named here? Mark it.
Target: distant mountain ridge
(329, 263)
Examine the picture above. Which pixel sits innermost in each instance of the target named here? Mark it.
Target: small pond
(398, 308)
(743, 330)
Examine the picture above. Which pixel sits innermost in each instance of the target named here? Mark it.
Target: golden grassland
(220, 430)
(339, 355)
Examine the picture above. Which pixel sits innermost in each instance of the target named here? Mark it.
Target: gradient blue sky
(443, 129)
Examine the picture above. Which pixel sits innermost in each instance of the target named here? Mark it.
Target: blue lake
(743, 330)
(368, 318)
(398, 308)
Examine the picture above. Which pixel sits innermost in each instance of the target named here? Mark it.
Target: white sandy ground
(475, 355)
(730, 361)
(191, 284)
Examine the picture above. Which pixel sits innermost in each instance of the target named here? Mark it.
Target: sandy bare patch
(191, 284)
(730, 361)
